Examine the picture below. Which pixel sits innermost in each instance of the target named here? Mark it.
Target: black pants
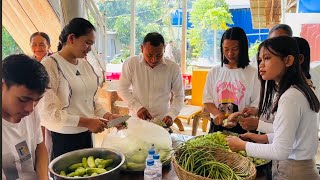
(63, 143)
(214, 128)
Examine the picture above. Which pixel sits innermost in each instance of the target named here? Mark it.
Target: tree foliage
(207, 15)
(253, 50)
(151, 15)
(9, 45)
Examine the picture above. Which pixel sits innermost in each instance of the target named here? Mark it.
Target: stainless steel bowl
(62, 162)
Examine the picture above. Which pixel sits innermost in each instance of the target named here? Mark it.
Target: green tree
(207, 15)
(151, 15)
(9, 45)
(253, 50)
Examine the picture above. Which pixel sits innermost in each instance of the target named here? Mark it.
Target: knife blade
(117, 121)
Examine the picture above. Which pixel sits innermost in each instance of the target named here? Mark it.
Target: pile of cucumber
(88, 167)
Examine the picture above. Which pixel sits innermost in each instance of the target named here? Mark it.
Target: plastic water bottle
(157, 166)
(149, 171)
(151, 152)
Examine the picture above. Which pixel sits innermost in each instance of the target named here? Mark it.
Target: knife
(117, 121)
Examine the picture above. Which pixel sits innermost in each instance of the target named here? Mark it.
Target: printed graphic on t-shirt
(23, 151)
(11, 165)
(230, 95)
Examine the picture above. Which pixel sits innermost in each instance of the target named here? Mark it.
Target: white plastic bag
(135, 142)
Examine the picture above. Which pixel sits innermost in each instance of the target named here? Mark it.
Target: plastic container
(149, 171)
(157, 166)
(151, 152)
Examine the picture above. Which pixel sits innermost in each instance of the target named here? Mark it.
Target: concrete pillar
(71, 9)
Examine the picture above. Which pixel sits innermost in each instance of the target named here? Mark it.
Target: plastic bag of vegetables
(135, 141)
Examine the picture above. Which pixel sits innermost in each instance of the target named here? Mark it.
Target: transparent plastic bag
(135, 141)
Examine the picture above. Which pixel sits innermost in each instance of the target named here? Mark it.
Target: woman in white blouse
(70, 110)
(293, 145)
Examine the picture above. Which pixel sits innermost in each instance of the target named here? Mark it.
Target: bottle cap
(150, 162)
(156, 156)
(151, 151)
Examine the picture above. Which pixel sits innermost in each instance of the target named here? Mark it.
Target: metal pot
(62, 163)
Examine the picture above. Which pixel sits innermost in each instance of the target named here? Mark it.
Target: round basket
(233, 160)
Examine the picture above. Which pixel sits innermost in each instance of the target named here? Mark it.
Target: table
(168, 173)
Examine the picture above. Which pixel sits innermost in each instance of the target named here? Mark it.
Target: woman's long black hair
(284, 46)
(236, 33)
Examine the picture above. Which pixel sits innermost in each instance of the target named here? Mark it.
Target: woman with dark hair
(293, 145)
(232, 86)
(304, 58)
(70, 110)
(40, 45)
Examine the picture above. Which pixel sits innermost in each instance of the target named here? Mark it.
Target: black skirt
(63, 143)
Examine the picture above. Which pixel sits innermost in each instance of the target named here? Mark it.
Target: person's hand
(250, 111)
(168, 120)
(144, 114)
(112, 116)
(258, 138)
(219, 119)
(232, 120)
(96, 125)
(235, 143)
(249, 123)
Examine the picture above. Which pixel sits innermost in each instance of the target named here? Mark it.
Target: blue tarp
(309, 6)
(242, 18)
(176, 18)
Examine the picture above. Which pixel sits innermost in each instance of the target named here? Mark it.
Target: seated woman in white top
(293, 145)
(70, 110)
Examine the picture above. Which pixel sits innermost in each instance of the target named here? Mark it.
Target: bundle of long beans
(218, 140)
(202, 160)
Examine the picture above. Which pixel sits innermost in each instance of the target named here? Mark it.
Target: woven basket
(233, 160)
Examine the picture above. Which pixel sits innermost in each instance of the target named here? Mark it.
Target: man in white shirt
(153, 79)
(24, 154)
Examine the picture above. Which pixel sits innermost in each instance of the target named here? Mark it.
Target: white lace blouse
(72, 95)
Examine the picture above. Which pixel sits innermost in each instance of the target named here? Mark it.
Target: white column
(71, 9)
(132, 29)
(184, 37)
(105, 48)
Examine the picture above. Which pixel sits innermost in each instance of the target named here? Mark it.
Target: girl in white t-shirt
(293, 145)
(232, 86)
